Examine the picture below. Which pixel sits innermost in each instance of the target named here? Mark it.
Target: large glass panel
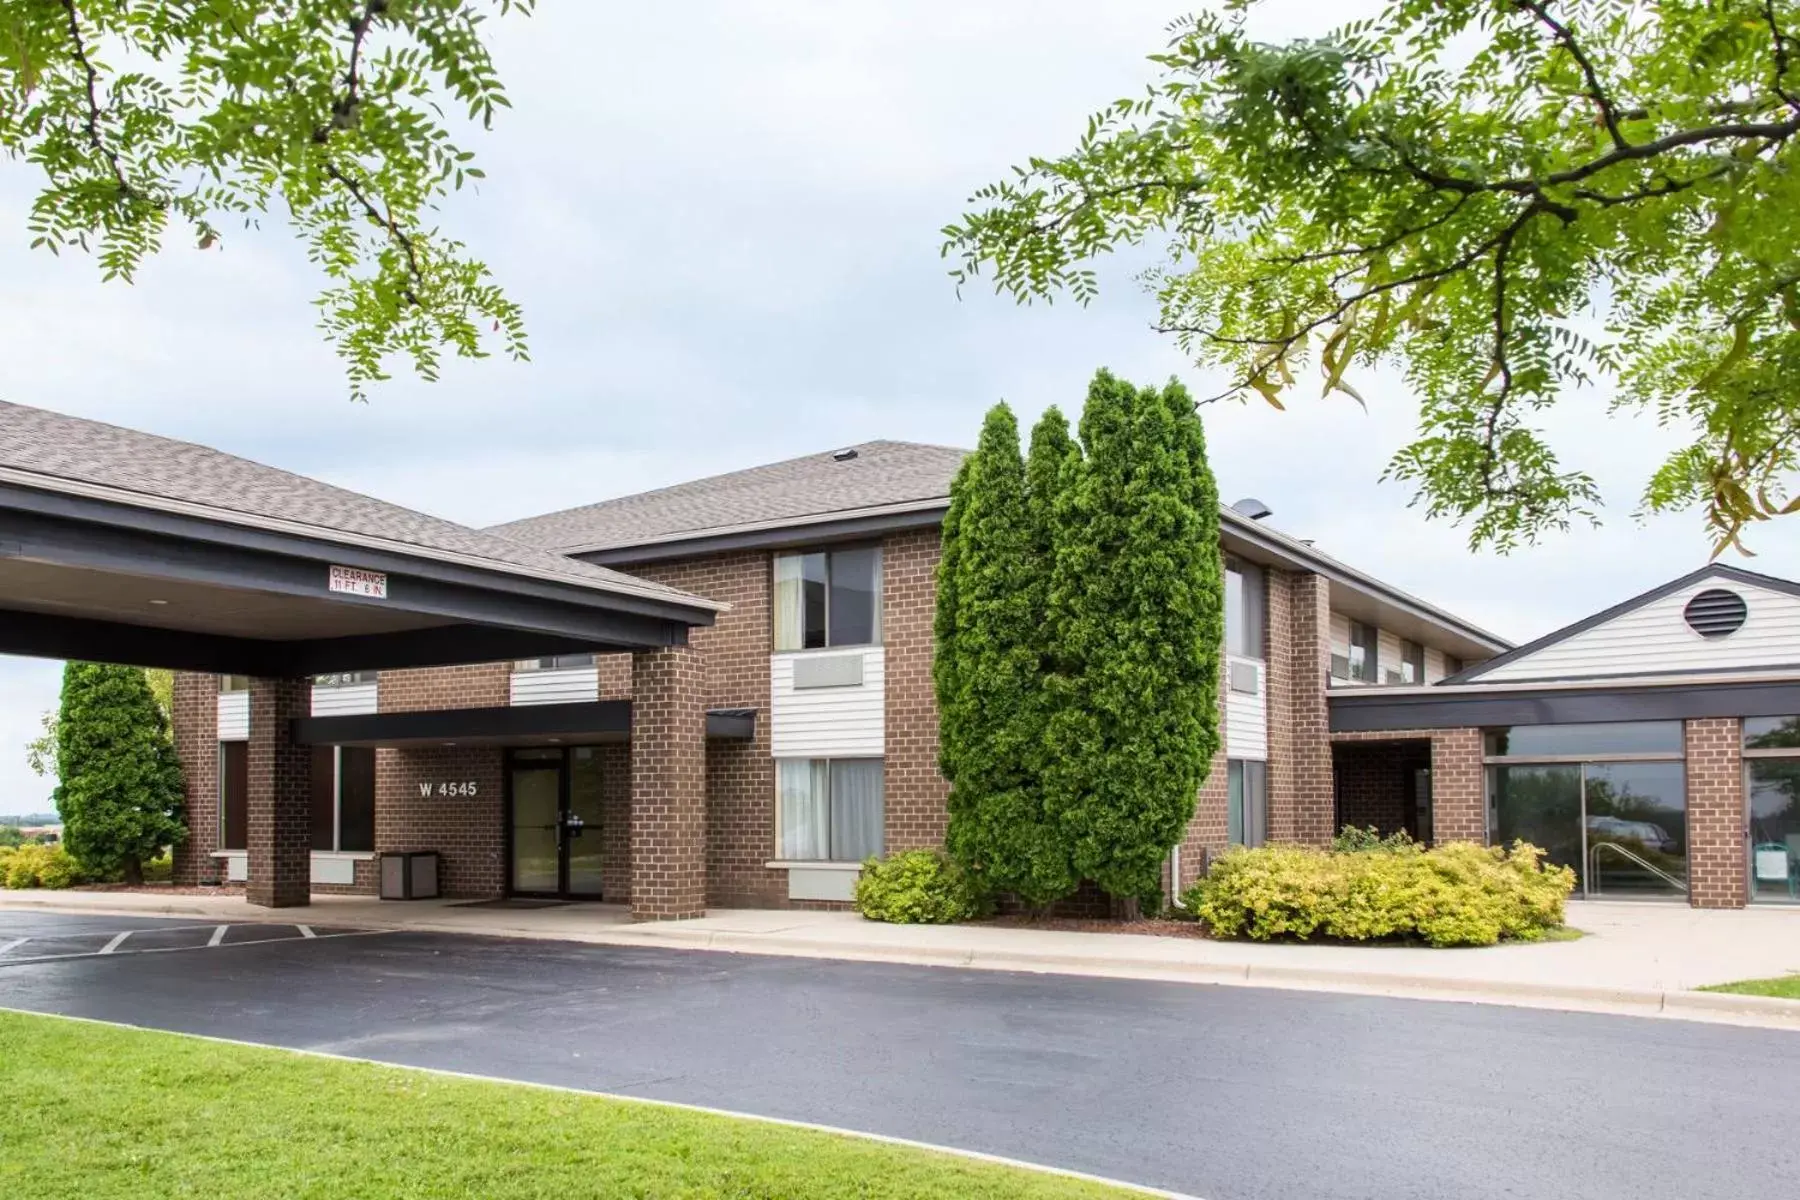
(1771, 733)
(855, 597)
(1599, 737)
(1774, 827)
(1636, 829)
(324, 797)
(584, 802)
(814, 581)
(234, 795)
(803, 788)
(1365, 653)
(1244, 607)
(1540, 805)
(856, 809)
(1246, 807)
(534, 819)
(356, 798)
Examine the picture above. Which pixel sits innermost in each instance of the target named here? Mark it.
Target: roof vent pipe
(1253, 508)
(843, 455)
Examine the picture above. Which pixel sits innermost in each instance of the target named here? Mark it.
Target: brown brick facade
(1300, 779)
(195, 721)
(279, 829)
(668, 785)
(1715, 813)
(915, 793)
(1458, 794)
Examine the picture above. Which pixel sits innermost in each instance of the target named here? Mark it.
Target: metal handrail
(1594, 864)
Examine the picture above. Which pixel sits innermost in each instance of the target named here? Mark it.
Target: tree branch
(126, 191)
(1608, 114)
(1781, 55)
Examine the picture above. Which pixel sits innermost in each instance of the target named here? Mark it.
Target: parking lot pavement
(46, 937)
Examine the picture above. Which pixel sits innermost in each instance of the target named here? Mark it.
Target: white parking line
(13, 945)
(218, 935)
(306, 931)
(114, 944)
(216, 943)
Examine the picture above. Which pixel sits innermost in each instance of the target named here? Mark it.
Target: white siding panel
(828, 722)
(345, 701)
(1246, 715)
(1655, 638)
(1435, 666)
(1387, 654)
(1340, 634)
(810, 884)
(332, 868)
(234, 716)
(564, 685)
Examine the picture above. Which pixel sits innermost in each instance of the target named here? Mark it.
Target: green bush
(160, 869)
(39, 866)
(1353, 840)
(1457, 894)
(917, 887)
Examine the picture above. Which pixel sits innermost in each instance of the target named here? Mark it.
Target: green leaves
(120, 789)
(1505, 199)
(328, 110)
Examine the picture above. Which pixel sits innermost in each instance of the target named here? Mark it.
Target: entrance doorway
(553, 805)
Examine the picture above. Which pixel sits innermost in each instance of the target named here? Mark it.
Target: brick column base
(668, 785)
(1458, 792)
(279, 831)
(1715, 813)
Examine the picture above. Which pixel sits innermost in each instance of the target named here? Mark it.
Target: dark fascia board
(843, 529)
(592, 718)
(1709, 571)
(1276, 547)
(48, 635)
(181, 527)
(257, 567)
(1367, 710)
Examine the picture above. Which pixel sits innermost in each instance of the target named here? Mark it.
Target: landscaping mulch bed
(1144, 927)
(163, 889)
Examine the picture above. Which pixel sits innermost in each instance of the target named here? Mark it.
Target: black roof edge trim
(589, 717)
(1373, 712)
(842, 529)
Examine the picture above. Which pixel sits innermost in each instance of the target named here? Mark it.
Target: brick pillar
(1715, 813)
(196, 729)
(279, 833)
(1458, 790)
(1302, 811)
(668, 785)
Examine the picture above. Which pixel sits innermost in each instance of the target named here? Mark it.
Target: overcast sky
(722, 221)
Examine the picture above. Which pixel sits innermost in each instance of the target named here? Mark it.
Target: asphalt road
(1226, 1093)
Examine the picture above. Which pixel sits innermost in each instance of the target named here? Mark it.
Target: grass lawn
(97, 1112)
(1785, 987)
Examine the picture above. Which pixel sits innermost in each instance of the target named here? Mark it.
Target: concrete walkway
(1638, 959)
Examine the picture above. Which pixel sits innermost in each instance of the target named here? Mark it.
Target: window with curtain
(829, 810)
(1412, 662)
(343, 798)
(1247, 801)
(1365, 656)
(1245, 605)
(828, 598)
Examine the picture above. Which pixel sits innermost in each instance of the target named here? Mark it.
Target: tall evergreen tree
(1136, 602)
(988, 675)
(120, 790)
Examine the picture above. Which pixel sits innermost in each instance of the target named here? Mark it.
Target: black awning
(512, 725)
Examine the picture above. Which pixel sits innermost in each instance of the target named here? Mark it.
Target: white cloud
(722, 220)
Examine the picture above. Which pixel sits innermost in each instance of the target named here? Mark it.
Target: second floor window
(828, 598)
(343, 679)
(1244, 608)
(1364, 657)
(1412, 662)
(554, 662)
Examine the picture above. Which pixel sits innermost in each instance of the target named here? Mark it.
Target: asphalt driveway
(1225, 1093)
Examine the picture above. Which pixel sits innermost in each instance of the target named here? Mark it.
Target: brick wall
(916, 794)
(468, 832)
(1458, 794)
(1300, 780)
(668, 785)
(615, 822)
(1715, 813)
(196, 729)
(477, 685)
(278, 832)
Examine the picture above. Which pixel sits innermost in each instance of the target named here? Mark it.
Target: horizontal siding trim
(838, 722)
(1246, 715)
(563, 685)
(346, 701)
(234, 716)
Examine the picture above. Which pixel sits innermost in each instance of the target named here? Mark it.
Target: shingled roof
(51, 450)
(870, 477)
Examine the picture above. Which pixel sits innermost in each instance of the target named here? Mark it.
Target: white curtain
(790, 601)
(856, 809)
(803, 786)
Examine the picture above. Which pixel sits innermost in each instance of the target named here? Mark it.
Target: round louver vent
(1716, 613)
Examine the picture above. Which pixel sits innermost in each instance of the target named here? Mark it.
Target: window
(554, 662)
(343, 798)
(1772, 778)
(1365, 657)
(234, 683)
(1245, 606)
(1657, 739)
(1247, 792)
(343, 679)
(234, 795)
(828, 598)
(1412, 662)
(828, 810)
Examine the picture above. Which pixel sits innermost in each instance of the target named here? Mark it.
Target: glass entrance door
(1540, 805)
(554, 811)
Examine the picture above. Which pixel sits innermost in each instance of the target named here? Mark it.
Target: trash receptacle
(409, 875)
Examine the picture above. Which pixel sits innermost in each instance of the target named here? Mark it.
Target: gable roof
(881, 476)
(1647, 636)
(52, 451)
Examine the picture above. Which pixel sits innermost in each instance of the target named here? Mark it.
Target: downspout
(1175, 878)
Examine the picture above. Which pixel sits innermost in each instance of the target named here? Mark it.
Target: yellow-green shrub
(39, 866)
(917, 887)
(1457, 894)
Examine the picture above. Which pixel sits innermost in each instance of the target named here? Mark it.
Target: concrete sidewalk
(1638, 959)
